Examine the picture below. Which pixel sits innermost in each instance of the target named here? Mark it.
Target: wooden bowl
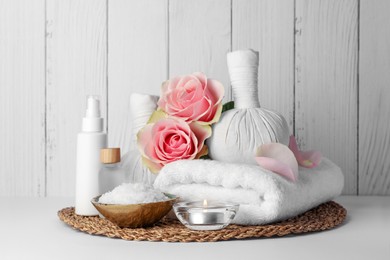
(135, 215)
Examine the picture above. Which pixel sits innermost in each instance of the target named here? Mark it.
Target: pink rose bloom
(171, 139)
(192, 98)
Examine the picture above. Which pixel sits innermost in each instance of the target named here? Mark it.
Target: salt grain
(132, 193)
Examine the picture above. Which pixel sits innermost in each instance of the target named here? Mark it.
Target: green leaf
(156, 116)
(227, 106)
(205, 157)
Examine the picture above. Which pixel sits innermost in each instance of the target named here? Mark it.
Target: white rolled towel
(264, 196)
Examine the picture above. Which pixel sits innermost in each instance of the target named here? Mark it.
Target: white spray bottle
(89, 142)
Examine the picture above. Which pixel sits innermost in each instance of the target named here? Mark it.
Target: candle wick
(205, 205)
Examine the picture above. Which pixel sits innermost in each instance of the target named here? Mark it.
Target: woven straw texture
(323, 217)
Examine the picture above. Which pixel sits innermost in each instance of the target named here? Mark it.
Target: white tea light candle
(205, 215)
(201, 218)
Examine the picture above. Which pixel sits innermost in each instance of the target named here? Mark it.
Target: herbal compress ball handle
(141, 108)
(243, 68)
(241, 130)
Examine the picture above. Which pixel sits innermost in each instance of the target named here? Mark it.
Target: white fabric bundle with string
(243, 129)
(141, 106)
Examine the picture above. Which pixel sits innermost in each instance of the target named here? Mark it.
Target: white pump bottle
(89, 142)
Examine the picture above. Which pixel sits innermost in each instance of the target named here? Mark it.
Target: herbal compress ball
(243, 129)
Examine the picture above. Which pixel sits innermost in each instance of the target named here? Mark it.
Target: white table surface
(30, 229)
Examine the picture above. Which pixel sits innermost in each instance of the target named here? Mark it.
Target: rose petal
(144, 136)
(281, 154)
(192, 98)
(171, 139)
(311, 159)
(153, 167)
(308, 159)
(194, 111)
(202, 132)
(184, 79)
(201, 77)
(215, 90)
(172, 83)
(276, 167)
(202, 152)
(217, 112)
(294, 147)
(156, 116)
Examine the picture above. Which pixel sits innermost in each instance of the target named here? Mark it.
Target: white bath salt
(132, 193)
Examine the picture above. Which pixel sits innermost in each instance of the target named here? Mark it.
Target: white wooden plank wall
(268, 27)
(323, 64)
(76, 66)
(374, 98)
(138, 33)
(326, 81)
(22, 98)
(199, 38)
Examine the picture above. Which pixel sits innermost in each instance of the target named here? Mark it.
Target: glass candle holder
(205, 215)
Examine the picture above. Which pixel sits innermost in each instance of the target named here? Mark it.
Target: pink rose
(192, 98)
(171, 139)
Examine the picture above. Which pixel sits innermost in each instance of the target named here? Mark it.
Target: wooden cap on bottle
(110, 155)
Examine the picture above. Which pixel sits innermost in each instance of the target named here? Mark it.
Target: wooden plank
(76, 66)
(374, 96)
(268, 27)
(22, 98)
(138, 59)
(326, 82)
(200, 38)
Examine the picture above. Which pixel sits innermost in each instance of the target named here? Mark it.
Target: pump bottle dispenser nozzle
(92, 122)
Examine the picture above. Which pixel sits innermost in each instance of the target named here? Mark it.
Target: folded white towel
(263, 196)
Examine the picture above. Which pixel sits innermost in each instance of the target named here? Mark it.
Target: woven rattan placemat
(323, 217)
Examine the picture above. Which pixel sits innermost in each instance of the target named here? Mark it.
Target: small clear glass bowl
(195, 215)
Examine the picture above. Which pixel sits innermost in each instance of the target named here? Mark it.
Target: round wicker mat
(323, 217)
